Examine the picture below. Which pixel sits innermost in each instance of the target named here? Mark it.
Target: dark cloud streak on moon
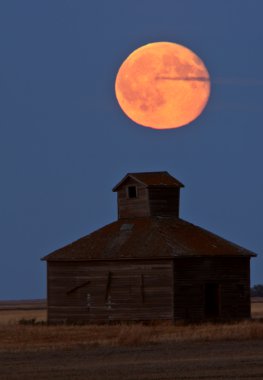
(198, 79)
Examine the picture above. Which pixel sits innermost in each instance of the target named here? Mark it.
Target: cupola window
(132, 192)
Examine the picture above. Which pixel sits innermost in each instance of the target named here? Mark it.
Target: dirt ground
(169, 360)
(210, 360)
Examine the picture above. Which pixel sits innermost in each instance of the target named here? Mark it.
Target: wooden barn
(149, 264)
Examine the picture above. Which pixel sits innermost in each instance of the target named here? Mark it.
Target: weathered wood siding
(191, 275)
(133, 207)
(150, 201)
(82, 292)
(164, 201)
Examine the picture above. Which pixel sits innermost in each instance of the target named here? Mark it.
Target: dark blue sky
(64, 141)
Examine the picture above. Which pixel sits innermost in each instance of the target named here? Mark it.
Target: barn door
(212, 300)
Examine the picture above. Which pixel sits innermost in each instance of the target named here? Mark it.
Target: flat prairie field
(127, 351)
(257, 308)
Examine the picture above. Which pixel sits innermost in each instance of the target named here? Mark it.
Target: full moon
(162, 85)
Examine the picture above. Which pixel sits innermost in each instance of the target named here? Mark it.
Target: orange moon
(162, 85)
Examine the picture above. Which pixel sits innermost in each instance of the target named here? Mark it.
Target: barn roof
(145, 238)
(151, 179)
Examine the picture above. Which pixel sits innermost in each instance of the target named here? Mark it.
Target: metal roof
(148, 238)
(151, 179)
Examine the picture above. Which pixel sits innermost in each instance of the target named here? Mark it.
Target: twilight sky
(64, 141)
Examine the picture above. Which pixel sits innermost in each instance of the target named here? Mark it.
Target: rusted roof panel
(151, 179)
(145, 238)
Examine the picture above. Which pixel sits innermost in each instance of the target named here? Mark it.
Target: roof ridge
(153, 172)
(159, 178)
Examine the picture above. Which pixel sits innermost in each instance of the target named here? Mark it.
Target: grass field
(130, 351)
(257, 308)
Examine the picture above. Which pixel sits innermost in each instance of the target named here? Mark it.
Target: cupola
(148, 194)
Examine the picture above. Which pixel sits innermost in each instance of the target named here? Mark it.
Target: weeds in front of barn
(40, 336)
(27, 329)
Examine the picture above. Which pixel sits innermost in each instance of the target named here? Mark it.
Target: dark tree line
(257, 291)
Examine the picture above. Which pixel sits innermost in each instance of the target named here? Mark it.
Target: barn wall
(164, 201)
(82, 292)
(231, 274)
(134, 207)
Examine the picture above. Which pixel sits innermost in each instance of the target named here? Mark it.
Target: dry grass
(13, 311)
(8, 317)
(257, 309)
(20, 337)
(14, 336)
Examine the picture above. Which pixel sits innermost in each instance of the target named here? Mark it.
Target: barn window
(132, 192)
